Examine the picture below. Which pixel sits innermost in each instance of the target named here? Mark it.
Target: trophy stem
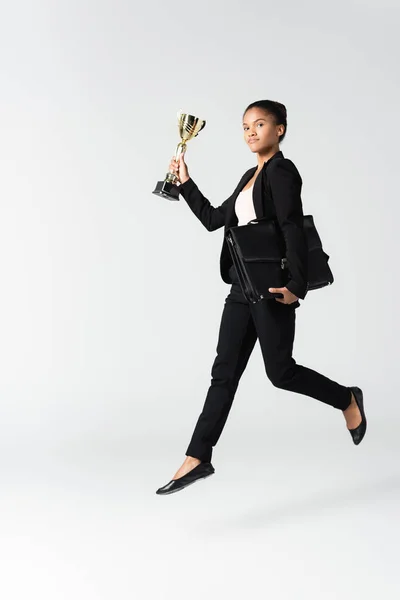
(180, 149)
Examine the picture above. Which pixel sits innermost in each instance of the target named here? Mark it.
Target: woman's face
(260, 132)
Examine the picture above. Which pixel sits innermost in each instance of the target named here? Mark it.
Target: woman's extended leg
(236, 340)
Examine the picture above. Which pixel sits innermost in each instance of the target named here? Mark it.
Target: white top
(244, 206)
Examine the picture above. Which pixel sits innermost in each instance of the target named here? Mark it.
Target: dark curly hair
(276, 109)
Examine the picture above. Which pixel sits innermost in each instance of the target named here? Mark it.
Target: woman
(271, 320)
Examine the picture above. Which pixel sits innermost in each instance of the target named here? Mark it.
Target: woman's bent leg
(275, 326)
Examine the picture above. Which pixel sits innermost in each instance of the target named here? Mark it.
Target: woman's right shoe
(358, 433)
(201, 471)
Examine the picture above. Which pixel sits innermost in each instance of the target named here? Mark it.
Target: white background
(111, 299)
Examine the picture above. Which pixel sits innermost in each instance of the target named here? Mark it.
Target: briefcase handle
(257, 220)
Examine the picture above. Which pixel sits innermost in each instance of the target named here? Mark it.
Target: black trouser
(273, 323)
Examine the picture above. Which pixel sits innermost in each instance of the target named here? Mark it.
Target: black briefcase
(258, 254)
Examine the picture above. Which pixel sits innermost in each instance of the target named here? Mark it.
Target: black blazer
(285, 205)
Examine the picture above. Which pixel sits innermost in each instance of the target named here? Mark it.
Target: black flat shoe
(201, 471)
(358, 433)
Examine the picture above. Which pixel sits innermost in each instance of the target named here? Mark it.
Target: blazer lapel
(259, 183)
(258, 192)
(231, 218)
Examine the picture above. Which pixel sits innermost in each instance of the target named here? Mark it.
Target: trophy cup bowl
(189, 127)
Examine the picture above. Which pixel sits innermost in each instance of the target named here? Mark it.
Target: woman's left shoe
(201, 471)
(358, 433)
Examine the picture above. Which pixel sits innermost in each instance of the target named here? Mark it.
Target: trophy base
(167, 190)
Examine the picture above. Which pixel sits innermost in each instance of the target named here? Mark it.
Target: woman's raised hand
(179, 168)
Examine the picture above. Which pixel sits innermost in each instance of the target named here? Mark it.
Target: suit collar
(278, 154)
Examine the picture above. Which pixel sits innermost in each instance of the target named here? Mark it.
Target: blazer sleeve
(285, 184)
(212, 217)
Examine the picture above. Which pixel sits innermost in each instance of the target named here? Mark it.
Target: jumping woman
(271, 320)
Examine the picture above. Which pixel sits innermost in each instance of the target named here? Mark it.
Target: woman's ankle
(192, 459)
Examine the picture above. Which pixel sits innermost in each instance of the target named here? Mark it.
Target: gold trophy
(189, 127)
